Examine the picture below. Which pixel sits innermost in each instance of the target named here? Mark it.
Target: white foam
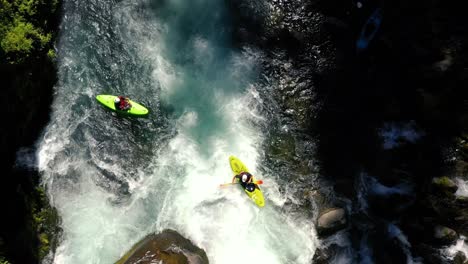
(459, 246)
(462, 187)
(221, 220)
(370, 185)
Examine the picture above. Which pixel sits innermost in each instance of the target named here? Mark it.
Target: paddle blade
(227, 184)
(259, 182)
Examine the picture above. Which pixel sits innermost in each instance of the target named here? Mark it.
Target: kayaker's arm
(250, 180)
(234, 178)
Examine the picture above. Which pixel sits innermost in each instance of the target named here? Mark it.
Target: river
(113, 179)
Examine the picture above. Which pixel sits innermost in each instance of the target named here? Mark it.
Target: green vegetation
(46, 222)
(28, 29)
(2, 258)
(3, 261)
(445, 186)
(25, 29)
(444, 181)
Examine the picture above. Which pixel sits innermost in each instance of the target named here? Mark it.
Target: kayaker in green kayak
(245, 179)
(122, 103)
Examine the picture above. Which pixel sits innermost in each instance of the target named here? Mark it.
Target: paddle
(232, 183)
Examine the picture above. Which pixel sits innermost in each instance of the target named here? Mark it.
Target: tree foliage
(25, 29)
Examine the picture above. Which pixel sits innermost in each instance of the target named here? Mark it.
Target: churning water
(114, 179)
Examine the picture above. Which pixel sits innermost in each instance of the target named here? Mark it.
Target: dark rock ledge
(29, 228)
(168, 247)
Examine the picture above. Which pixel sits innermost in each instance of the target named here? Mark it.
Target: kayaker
(122, 103)
(245, 180)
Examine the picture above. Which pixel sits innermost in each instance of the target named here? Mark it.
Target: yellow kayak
(237, 167)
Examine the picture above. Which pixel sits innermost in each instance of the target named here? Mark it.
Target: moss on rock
(46, 223)
(283, 146)
(444, 185)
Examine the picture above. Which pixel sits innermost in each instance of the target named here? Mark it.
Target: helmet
(117, 100)
(244, 177)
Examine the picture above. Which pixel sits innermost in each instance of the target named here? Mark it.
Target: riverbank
(28, 74)
(380, 88)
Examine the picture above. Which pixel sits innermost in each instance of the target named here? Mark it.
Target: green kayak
(136, 109)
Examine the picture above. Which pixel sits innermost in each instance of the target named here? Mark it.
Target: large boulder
(167, 247)
(444, 185)
(460, 258)
(444, 235)
(330, 221)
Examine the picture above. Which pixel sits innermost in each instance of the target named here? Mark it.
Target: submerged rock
(330, 221)
(167, 247)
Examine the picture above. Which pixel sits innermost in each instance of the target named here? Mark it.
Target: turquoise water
(114, 179)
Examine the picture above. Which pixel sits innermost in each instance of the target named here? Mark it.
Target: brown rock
(460, 258)
(330, 221)
(445, 235)
(169, 247)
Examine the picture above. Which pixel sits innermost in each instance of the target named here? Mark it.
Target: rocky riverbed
(385, 120)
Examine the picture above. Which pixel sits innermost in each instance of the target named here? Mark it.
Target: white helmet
(117, 100)
(244, 177)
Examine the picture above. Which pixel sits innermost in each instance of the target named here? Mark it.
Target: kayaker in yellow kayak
(245, 180)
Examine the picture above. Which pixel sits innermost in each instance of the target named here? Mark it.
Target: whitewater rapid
(114, 180)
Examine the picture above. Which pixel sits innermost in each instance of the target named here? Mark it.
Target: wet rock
(445, 235)
(444, 185)
(460, 258)
(330, 221)
(321, 256)
(167, 247)
(319, 200)
(461, 155)
(326, 254)
(451, 211)
(282, 145)
(430, 254)
(461, 168)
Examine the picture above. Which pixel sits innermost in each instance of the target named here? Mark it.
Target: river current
(115, 179)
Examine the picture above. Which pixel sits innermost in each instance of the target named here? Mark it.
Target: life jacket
(123, 102)
(246, 185)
